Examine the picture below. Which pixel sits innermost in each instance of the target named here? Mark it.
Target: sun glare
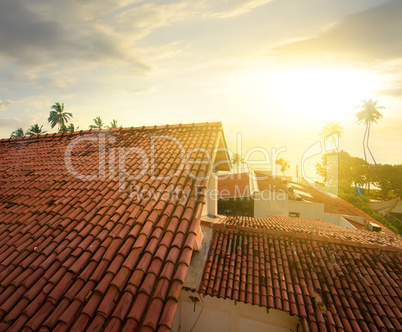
(317, 94)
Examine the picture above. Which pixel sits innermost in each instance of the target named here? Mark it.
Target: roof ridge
(397, 199)
(221, 225)
(80, 132)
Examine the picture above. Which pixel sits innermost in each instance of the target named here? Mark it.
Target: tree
(99, 124)
(350, 171)
(57, 116)
(35, 130)
(388, 178)
(237, 160)
(369, 114)
(17, 133)
(332, 130)
(113, 124)
(68, 129)
(284, 165)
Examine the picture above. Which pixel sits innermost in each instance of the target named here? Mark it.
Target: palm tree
(58, 117)
(237, 160)
(68, 129)
(332, 130)
(113, 124)
(369, 114)
(99, 124)
(284, 165)
(35, 130)
(17, 133)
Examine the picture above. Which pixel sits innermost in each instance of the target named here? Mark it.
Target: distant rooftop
(331, 280)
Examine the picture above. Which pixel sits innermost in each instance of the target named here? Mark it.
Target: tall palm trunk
(364, 143)
(368, 148)
(334, 142)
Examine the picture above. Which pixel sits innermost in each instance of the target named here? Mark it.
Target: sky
(273, 72)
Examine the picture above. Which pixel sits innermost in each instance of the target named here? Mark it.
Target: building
(97, 228)
(260, 194)
(299, 275)
(236, 194)
(117, 230)
(392, 208)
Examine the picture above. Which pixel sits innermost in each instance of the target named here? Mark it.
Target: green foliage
(113, 124)
(57, 116)
(369, 114)
(349, 170)
(237, 160)
(354, 171)
(388, 178)
(35, 130)
(284, 165)
(68, 129)
(331, 130)
(98, 123)
(361, 203)
(19, 132)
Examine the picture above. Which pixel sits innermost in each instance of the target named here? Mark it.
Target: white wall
(212, 314)
(357, 219)
(282, 207)
(337, 219)
(262, 208)
(212, 196)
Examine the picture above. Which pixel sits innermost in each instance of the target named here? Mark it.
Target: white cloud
(59, 83)
(4, 104)
(368, 36)
(235, 8)
(32, 36)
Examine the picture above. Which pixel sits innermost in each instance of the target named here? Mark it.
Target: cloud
(46, 34)
(231, 8)
(24, 35)
(139, 21)
(59, 83)
(4, 104)
(392, 92)
(43, 35)
(370, 35)
(11, 123)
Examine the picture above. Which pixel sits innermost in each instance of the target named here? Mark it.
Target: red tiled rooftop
(268, 182)
(332, 204)
(314, 227)
(336, 285)
(86, 254)
(234, 185)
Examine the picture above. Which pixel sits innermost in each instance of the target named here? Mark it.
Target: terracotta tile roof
(314, 227)
(268, 182)
(393, 205)
(234, 185)
(335, 205)
(331, 204)
(334, 284)
(109, 251)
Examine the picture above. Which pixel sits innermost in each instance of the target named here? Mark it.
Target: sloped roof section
(234, 185)
(97, 228)
(315, 227)
(331, 284)
(332, 204)
(393, 205)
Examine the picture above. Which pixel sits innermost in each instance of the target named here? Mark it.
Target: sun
(308, 93)
(318, 88)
